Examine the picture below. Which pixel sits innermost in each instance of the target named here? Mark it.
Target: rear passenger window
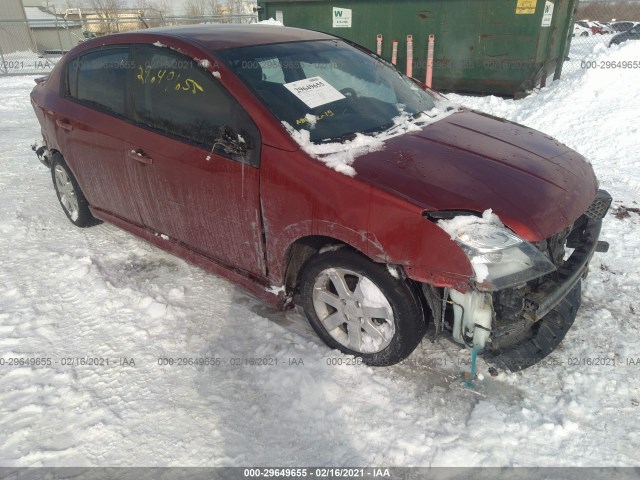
(174, 94)
(99, 79)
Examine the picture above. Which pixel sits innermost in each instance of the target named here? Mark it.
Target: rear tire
(71, 198)
(359, 308)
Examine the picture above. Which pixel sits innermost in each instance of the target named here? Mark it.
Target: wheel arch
(301, 250)
(304, 248)
(84, 216)
(314, 234)
(56, 151)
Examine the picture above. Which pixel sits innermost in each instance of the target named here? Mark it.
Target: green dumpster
(502, 47)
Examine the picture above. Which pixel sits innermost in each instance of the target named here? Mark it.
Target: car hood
(473, 161)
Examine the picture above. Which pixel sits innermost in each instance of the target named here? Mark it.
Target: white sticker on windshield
(314, 91)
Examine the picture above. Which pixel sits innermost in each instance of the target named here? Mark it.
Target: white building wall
(14, 32)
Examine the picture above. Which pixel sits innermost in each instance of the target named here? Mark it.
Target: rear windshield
(328, 87)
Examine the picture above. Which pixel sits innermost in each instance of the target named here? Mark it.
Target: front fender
(426, 252)
(362, 241)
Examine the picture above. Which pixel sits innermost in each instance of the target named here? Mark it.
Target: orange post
(394, 52)
(409, 55)
(430, 50)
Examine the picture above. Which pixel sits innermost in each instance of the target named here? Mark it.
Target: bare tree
(155, 8)
(606, 11)
(108, 10)
(234, 7)
(217, 7)
(195, 8)
(75, 4)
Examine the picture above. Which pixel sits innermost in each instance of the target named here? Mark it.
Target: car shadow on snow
(281, 397)
(276, 401)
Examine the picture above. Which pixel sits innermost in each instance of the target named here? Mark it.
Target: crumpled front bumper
(550, 309)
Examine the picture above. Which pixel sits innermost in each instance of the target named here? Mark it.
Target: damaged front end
(523, 302)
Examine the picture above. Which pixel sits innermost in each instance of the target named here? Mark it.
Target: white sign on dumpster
(341, 17)
(547, 15)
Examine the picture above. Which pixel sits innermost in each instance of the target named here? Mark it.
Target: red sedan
(311, 172)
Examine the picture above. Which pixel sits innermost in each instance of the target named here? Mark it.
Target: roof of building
(39, 18)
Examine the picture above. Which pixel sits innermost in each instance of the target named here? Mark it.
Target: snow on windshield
(335, 100)
(341, 155)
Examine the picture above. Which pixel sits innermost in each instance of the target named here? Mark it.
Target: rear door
(91, 129)
(199, 152)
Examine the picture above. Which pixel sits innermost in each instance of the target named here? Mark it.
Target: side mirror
(230, 144)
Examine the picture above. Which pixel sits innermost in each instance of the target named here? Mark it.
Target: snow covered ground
(67, 294)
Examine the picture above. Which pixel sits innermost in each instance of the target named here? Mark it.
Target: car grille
(598, 209)
(554, 246)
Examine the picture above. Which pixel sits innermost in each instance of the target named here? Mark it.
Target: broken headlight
(499, 257)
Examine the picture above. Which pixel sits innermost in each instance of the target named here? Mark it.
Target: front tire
(359, 308)
(71, 198)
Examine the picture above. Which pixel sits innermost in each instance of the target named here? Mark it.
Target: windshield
(328, 87)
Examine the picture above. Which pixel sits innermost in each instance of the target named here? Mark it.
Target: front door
(193, 187)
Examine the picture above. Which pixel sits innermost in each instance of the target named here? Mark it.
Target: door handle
(64, 124)
(139, 156)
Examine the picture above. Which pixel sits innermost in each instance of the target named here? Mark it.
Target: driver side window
(173, 94)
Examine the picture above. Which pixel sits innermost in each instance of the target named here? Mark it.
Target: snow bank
(271, 21)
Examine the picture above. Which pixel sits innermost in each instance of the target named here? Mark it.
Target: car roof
(220, 37)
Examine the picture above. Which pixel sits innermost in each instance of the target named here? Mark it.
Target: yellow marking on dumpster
(526, 7)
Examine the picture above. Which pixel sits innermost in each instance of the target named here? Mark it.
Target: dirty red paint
(240, 221)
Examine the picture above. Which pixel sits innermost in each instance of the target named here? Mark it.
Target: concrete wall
(14, 32)
(55, 40)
